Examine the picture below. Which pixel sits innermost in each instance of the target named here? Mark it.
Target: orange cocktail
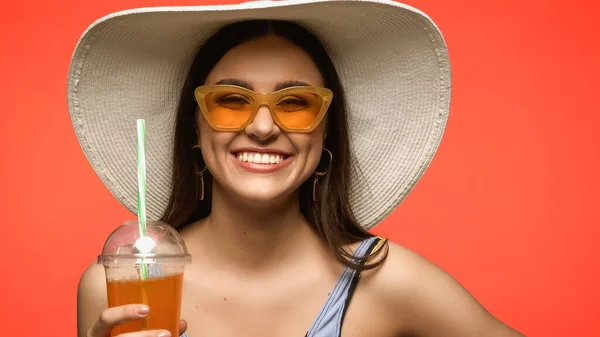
(162, 295)
(146, 269)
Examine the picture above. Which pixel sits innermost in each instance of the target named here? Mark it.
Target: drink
(146, 270)
(164, 309)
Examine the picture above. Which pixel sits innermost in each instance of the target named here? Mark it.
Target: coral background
(509, 206)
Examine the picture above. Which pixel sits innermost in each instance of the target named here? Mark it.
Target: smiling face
(262, 162)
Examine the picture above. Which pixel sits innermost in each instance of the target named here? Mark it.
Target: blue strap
(329, 321)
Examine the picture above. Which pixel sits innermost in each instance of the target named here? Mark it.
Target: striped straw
(141, 159)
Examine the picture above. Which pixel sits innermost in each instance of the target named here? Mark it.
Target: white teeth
(260, 158)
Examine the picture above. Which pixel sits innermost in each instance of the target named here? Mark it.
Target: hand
(127, 313)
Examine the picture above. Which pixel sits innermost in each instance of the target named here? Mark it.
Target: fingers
(152, 333)
(117, 315)
(182, 326)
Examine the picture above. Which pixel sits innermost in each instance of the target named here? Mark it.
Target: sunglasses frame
(260, 100)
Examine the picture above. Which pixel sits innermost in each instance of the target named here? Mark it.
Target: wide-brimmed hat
(391, 59)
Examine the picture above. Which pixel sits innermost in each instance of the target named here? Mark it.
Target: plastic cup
(164, 255)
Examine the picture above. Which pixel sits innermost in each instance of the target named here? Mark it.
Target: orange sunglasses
(233, 108)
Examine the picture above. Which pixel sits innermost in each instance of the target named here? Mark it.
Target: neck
(254, 236)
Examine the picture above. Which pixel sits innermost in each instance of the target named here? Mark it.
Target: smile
(263, 162)
(260, 158)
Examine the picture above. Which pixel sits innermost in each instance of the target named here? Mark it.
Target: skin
(258, 268)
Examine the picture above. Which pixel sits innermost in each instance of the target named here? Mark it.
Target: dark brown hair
(331, 216)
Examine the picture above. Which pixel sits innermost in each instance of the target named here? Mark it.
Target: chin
(263, 193)
(266, 196)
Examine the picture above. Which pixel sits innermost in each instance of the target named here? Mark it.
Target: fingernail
(164, 334)
(143, 311)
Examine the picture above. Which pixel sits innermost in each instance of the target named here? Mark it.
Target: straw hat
(391, 59)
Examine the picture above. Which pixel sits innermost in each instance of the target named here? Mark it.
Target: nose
(263, 127)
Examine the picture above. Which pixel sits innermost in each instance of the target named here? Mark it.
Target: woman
(285, 153)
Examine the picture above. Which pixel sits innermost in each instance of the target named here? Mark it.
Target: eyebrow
(287, 84)
(278, 86)
(236, 82)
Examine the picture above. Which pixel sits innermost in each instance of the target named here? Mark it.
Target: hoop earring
(320, 174)
(200, 177)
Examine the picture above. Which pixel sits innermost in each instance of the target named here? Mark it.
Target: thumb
(182, 326)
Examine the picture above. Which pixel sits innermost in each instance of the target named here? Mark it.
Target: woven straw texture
(391, 59)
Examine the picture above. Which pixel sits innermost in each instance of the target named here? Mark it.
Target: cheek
(215, 146)
(205, 135)
(311, 145)
(318, 139)
(210, 142)
(204, 130)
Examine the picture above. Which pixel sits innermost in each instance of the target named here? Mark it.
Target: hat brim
(391, 59)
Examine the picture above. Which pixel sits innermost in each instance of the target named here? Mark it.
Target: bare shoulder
(407, 284)
(91, 297)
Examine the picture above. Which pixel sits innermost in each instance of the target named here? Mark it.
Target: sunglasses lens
(298, 110)
(228, 109)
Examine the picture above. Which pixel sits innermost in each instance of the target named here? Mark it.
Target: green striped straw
(141, 158)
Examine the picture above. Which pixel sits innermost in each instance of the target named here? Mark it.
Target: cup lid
(161, 243)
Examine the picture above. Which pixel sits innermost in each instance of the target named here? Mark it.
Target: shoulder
(402, 269)
(91, 297)
(399, 279)
(408, 284)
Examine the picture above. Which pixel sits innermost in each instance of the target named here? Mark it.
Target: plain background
(509, 206)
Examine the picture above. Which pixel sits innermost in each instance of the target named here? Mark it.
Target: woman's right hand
(123, 314)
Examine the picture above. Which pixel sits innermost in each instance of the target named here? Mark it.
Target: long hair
(331, 216)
